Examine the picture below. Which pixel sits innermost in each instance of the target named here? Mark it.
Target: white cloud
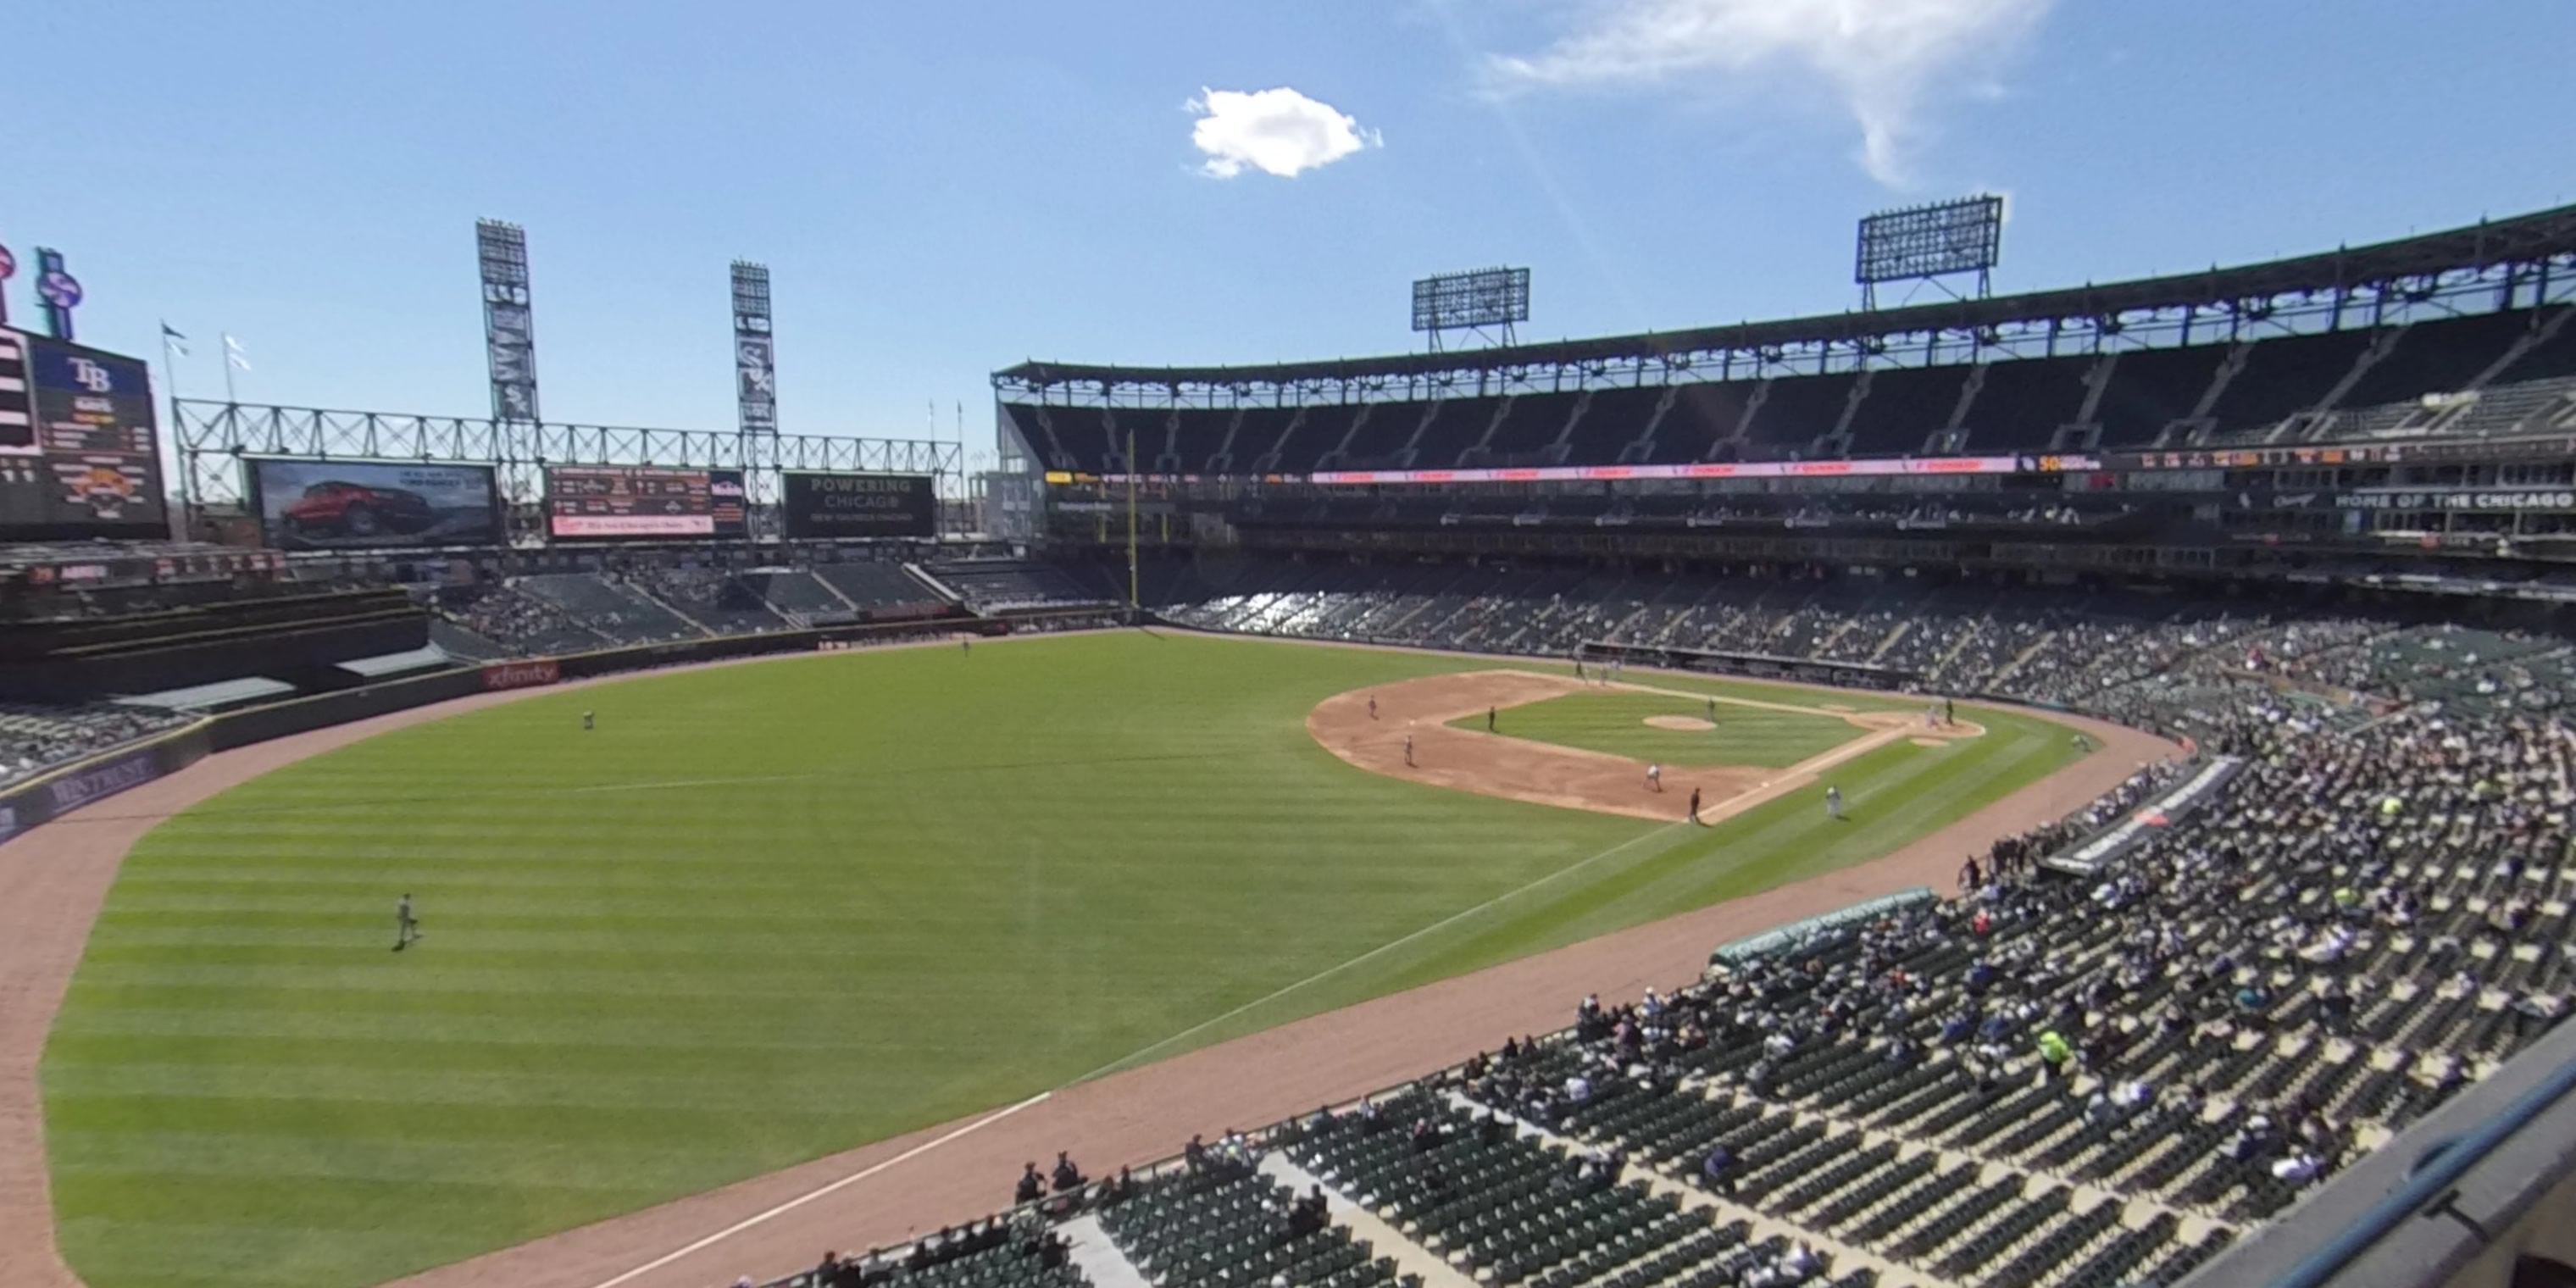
(1884, 59)
(1276, 131)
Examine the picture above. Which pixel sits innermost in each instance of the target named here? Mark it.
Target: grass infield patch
(1614, 721)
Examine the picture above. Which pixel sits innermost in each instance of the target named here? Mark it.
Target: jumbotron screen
(80, 448)
(642, 503)
(859, 505)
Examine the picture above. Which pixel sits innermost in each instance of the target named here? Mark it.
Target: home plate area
(1555, 740)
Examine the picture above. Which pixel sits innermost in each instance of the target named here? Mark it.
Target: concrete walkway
(1101, 1261)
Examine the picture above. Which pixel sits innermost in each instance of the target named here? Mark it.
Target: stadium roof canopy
(2487, 245)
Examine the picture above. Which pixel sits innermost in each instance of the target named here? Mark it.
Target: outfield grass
(769, 912)
(1614, 721)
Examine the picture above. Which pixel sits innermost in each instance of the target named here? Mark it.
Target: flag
(234, 355)
(171, 339)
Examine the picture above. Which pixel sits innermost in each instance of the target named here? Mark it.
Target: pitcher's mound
(1677, 722)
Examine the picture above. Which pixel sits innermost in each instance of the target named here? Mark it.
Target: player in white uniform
(588, 721)
(1654, 778)
(1834, 803)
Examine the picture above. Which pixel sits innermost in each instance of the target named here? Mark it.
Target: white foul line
(811, 1195)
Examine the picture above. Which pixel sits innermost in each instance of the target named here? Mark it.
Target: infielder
(1372, 708)
(1694, 809)
(1408, 751)
(1489, 719)
(1834, 803)
(1654, 778)
(406, 926)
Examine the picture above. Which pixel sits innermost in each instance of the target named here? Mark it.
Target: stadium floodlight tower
(1926, 243)
(1488, 299)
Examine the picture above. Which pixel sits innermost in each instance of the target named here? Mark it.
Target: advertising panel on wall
(498, 676)
(54, 795)
(642, 503)
(80, 450)
(859, 505)
(345, 505)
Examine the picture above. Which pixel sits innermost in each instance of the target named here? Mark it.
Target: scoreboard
(80, 448)
(642, 502)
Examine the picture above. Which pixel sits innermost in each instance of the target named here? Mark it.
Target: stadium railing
(1845, 675)
(2481, 1194)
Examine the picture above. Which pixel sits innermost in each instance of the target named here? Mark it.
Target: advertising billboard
(498, 676)
(859, 505)
(642, 502)
(349, 505)
(80, 447)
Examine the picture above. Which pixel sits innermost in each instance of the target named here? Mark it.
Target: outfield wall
(51, 795)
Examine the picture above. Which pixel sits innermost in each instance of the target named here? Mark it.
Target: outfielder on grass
(406, 926)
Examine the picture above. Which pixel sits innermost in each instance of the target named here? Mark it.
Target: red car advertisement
(340, 505)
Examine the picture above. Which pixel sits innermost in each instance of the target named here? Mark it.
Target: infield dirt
(1373, 737)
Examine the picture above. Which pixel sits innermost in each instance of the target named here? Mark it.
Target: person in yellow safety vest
(2054, 1050)
(2391, 807)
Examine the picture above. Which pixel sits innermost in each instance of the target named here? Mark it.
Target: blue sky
(942, 189)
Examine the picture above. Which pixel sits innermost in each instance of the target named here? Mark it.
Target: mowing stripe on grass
(1374, 953)
(747, 881)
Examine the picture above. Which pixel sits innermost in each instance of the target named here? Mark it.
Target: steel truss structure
(1927, 242)
(2523, 262)
(215, 438)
